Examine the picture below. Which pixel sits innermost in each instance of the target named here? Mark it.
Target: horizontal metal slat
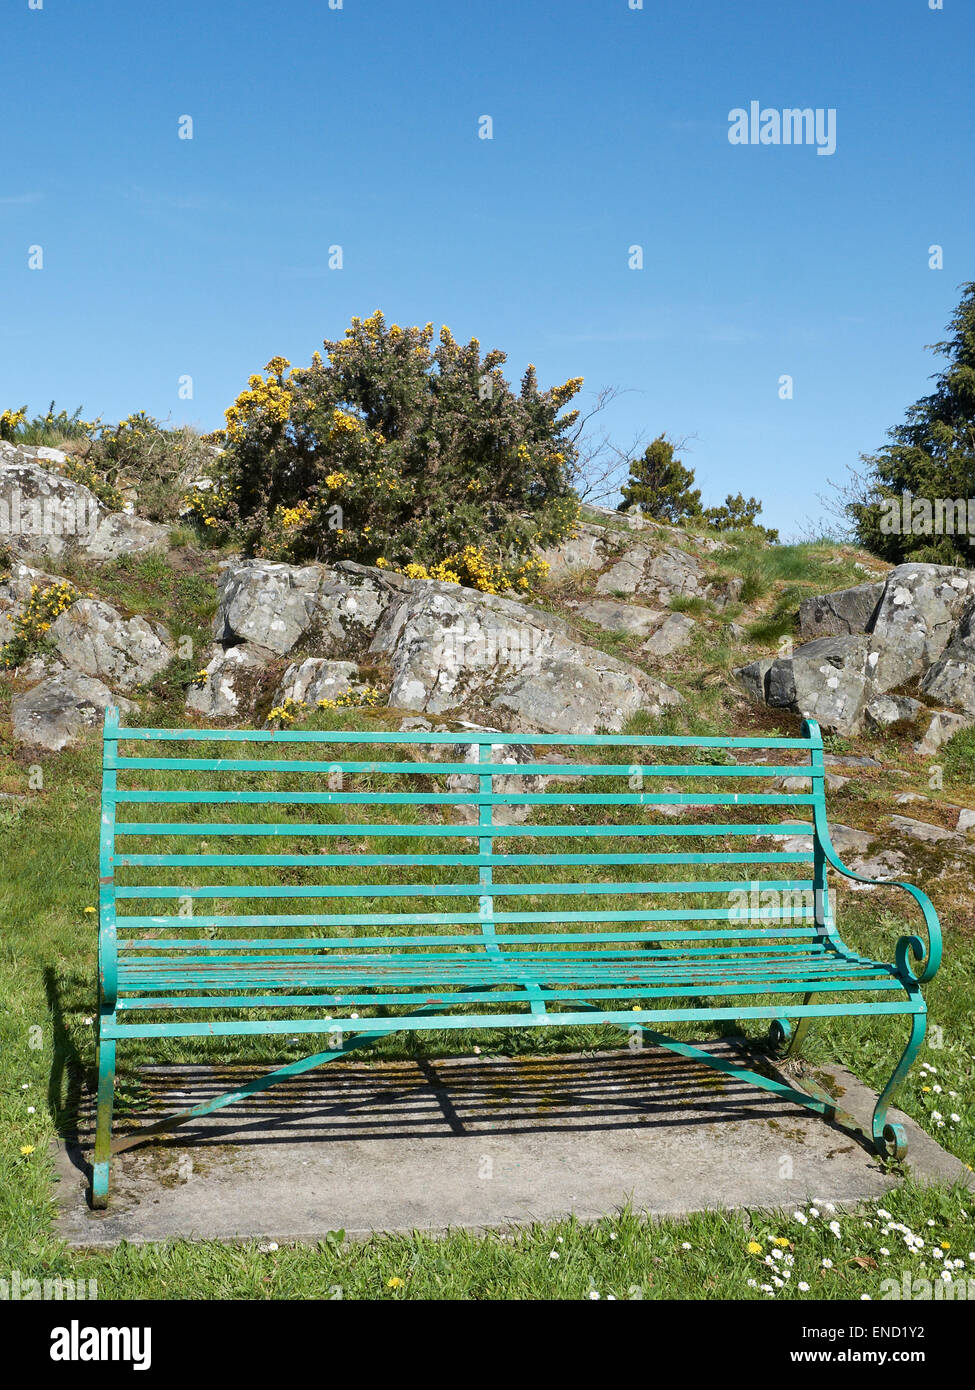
(476, 737)
(290, 829)
(499, 860)
(435, 1022)
(461, 890)
(466, 769)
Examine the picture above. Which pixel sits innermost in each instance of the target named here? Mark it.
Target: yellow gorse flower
(39, 612)
(267, 399)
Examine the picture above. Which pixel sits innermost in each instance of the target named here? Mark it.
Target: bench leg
(103, 1127)
(891, 1139)
(784, 1040)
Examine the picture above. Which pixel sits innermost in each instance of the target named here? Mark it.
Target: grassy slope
(47, 969)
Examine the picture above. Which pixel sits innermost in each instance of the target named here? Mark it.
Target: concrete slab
(473, 1142)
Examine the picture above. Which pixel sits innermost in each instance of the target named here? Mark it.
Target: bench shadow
(71, 1083)
(345, 1102)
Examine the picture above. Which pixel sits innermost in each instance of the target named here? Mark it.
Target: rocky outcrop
(588, 548)
(46, 515)
(613, 616)
(276, 605)
(951, 680)
(231, 680)
(886, 712)
(94, 639)
(16, 585)
(316, 678)
(840, 613)
(917, 634)
(828, 680)
(915, 620)
(671, 636)
(90, 650)
(61, 709)
(656, 574)
(449, 649)
(666, 632)
(942, 726)
(452, 648)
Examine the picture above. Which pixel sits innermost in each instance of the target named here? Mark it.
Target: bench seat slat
(463, 890)
(806, 912)
(224, 1028)
(146, 966)
(297, 765)
(631, 968)
(471, 798)
(477, 940)
(125, 861)
(297, 829)
(490, 972)
(338, 1001)
(380, 736)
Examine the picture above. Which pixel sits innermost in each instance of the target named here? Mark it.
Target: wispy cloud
(18, 199)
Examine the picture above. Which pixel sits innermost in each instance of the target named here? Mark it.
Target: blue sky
(359, 127)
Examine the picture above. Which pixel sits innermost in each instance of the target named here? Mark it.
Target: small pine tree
(660, 486)
(737, 514)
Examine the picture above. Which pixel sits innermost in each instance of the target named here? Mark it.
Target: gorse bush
(11, 421)
(33, 623)
(138, 454)
(157, 462)
(396, 452)
(53, 429)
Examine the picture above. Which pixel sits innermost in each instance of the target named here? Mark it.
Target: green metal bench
(379, 913)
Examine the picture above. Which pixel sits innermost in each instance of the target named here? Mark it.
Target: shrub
(31, 626)
(84, 471)
(137, 454)
(739, 513)
(11, 421)
(397, 453)
(53, 429)
(140, 453)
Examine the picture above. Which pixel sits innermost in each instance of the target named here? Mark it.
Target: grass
(814, 565)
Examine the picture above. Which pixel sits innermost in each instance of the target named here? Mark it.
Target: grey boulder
(95, 639)
(890, 711)
(614, 616)
(44, 514)
(828, 680)
(452, 648)
(951, 680)
(61, 710)
(233, 678)
(674, 632)
(317, 678)
(840, 613)
(658, 574)
(915, 620)
(335, 610)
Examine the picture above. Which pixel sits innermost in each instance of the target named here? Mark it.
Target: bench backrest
(258, 840)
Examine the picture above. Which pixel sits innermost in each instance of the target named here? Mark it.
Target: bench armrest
(907, 945)
(107, 955)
